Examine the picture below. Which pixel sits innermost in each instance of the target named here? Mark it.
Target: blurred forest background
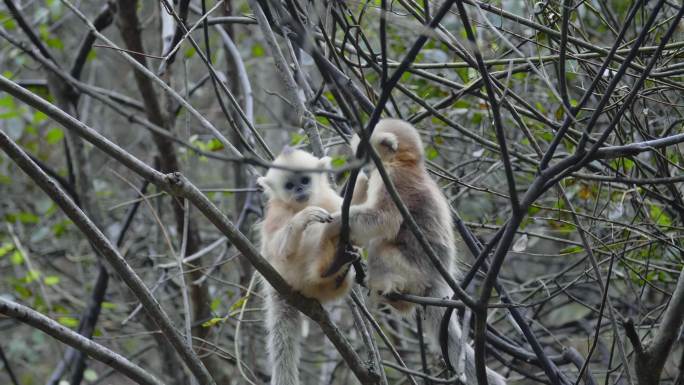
(554, 127)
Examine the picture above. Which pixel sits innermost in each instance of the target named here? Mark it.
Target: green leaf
(38, 117)
(659, 216)
(30, 129)
(32, 275)
(520, 76)
(90, 375)
(238, 304)
(60, 227)
(9, 114)
(54, 135)
(56, 43)
(213, 322)
(477, 118)
(27, 218)
(258, 50)
(215, 303)
(69, 322)
(6, 248)
(461, 104)
(431, 153)
(297, 138)
(338, 161)
(9, 22)
(51, 280)
(17, 258)
(463, 74)
(215, 145)
(7, 102)
(190, 52)
(560, 112)
(23, 291)
(571, 250)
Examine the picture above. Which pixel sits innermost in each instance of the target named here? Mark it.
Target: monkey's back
(430, 210)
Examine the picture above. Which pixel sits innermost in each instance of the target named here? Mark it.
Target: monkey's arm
(360, 189)
(368, 222)
(288, 238)
(375, 218)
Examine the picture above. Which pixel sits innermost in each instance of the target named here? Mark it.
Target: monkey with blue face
(295, 241)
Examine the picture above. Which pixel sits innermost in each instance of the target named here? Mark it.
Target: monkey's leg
(367, 222)
(388, 271)
(290, 237)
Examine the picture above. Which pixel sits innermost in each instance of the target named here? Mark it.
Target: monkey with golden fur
(295, 241)
(396, 261)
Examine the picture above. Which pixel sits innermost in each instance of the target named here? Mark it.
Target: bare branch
(93, 349)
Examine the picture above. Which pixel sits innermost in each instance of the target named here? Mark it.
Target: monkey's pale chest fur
(303, 263)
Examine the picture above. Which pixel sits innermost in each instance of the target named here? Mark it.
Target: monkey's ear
(388, 141)
(262, 184)
(325, 162)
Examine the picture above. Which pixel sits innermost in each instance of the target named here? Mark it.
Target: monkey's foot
(343, 258)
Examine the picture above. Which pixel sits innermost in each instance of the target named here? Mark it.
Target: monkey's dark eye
(289, 185)
(306, 180)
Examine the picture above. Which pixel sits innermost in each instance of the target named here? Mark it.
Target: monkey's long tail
(433, 318)
(283, 325)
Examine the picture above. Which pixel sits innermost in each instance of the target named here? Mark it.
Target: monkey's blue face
(298, 186)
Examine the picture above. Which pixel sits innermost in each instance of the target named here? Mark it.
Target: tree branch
(107, 250)
(95, 350)
(305, 117)
(176, 184)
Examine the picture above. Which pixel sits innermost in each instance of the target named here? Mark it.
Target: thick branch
(651, 359)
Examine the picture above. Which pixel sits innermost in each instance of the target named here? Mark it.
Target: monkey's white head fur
(394, 140)
(295, 188)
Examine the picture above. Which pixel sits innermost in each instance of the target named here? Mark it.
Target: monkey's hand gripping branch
(345, 256)
(346, 253)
